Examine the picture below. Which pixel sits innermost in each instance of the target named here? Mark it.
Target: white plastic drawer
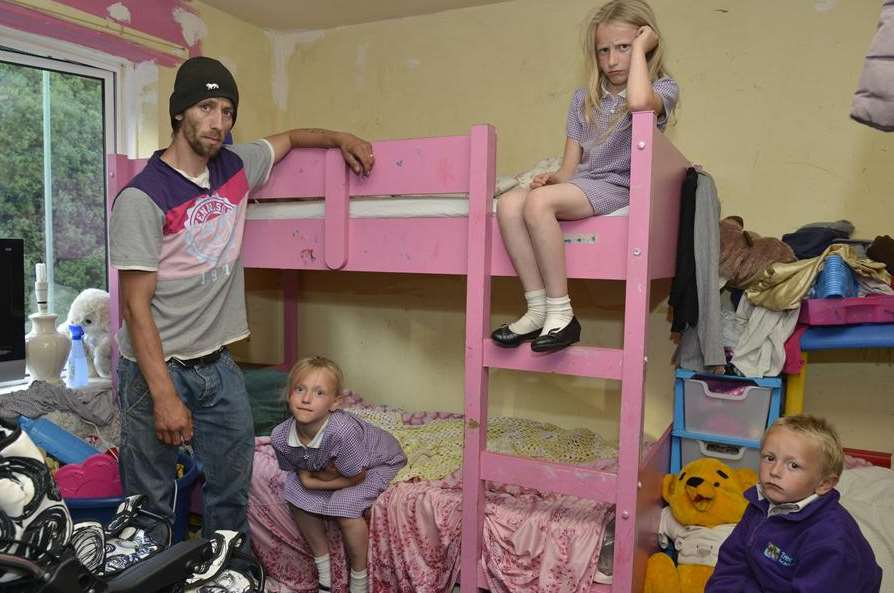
(735, 456)
(741, 412)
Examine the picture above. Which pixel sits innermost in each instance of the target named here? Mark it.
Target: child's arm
(640, 95)
(324, 480)
(570, 161)
(732, 573)
(830, 565)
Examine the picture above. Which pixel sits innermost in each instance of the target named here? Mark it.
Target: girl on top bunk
(624, 55)
(338, 465)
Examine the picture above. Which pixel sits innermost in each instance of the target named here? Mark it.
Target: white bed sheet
(440, 206)
(868, 495)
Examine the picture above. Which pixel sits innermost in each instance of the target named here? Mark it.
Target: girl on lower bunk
(338, 465)
(624, 55)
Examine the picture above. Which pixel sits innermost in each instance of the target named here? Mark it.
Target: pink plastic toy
(96, 477)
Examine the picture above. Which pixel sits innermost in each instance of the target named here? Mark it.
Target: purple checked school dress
(604, 170)
(352, 445)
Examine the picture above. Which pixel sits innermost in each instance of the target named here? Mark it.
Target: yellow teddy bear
(705, 502)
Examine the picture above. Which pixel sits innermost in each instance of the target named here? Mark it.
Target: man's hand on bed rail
(358, 153)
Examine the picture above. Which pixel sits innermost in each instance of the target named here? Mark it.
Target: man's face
(206, 124)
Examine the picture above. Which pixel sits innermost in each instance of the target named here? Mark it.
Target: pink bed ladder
(652, 156)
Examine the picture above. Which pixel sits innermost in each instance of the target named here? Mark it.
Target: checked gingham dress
(352, 445)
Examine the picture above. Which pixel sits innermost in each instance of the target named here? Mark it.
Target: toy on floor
(705, 501)
(90, 310)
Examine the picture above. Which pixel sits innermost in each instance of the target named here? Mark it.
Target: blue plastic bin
(836, 280)
(103, 509)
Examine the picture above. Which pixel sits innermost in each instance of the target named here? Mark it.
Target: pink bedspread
(274, 537)
(533, 542)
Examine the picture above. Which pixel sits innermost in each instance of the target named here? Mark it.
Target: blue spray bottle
(77, 359)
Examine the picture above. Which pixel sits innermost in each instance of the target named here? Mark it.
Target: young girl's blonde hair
(313, 363)
(633, 12)
(822, 434)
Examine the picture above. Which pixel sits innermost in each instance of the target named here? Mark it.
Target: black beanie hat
(198, 79)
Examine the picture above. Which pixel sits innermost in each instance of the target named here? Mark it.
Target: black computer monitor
(12, 310)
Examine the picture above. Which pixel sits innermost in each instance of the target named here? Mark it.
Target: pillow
(547, 165)
(504, 184)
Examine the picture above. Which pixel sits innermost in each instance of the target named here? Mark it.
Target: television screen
(12, 309)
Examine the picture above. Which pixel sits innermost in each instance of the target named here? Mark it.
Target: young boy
(795, 536)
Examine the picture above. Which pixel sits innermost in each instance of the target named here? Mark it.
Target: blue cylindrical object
(76, 371)
(835, 280)
(56, 441)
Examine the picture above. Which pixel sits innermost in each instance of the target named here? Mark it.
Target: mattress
(434, 206)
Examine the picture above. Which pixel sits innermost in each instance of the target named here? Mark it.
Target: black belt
(201, 360)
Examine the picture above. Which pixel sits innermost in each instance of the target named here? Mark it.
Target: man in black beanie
(175, 237)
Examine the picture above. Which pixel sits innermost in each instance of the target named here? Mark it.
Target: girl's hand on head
(646, 39)
(543, 179)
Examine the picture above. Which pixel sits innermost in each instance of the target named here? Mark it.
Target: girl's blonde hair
(632, 12)
(822, 434)
(313, 363)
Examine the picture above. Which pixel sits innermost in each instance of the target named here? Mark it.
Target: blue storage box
(836, 280)
(103, 509)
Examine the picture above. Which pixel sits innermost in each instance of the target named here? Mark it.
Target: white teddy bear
(90, 310)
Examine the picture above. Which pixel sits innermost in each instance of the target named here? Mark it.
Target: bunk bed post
(289, 280)
(335, 233)
(626, 576)
(482, 159)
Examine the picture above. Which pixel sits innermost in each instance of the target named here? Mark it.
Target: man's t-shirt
(191, 236)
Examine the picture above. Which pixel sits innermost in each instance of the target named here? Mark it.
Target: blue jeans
(223, 440)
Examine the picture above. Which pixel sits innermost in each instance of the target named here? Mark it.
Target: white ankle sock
(536, 313)
(323, 570)
(359, 581)
(558, 313)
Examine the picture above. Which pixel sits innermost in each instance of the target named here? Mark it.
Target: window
(56, 118)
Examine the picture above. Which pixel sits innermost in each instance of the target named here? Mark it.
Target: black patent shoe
(558, 338)
(507, 338)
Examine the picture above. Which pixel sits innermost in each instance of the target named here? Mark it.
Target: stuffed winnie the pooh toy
(705, 501)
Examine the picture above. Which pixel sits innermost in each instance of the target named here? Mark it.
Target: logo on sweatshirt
(209, 229)
(773, 552)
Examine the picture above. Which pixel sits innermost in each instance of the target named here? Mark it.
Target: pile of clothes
(737, 295)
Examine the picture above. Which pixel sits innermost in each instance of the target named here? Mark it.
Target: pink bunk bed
(636, 248)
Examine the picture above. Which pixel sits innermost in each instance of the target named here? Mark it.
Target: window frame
(31, 50)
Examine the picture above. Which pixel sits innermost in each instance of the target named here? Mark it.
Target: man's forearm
(314, 138)
(146, 344)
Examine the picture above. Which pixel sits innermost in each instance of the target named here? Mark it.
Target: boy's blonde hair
(633, 12)
(313, 363)
(823, 435)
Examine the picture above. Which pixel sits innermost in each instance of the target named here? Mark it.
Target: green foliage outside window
(77, 155)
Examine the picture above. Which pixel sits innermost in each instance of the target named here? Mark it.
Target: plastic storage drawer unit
(735, 456)
(724, 408)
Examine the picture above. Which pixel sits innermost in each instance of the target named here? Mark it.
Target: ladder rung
(581, 361)
(547, 476)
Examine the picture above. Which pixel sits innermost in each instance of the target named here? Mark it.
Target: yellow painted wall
(766, 89)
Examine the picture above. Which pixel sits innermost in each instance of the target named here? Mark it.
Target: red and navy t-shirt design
(202, 228)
